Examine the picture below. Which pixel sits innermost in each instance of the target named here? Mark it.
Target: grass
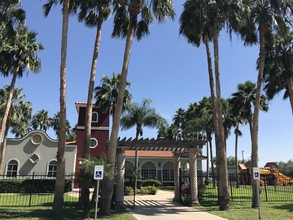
(243, 211)
(18, 199)
(45, 213)
(241, 194)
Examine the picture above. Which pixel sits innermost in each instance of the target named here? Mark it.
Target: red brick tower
(99, 133)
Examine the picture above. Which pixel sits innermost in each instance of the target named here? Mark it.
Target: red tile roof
(159, 154)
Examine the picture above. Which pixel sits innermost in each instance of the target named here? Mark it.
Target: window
(12, 168)
(95, 117)
(148, 171)
(52, 169)
(168, 171)
(93, 142)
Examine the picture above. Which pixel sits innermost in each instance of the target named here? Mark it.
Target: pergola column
(193, 176)
(119, 199)
(176, 177)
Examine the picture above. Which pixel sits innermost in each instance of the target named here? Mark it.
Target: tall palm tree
(41, 120)
(19, 114)
(278, 71)
(60, 175)
(131, 19)
(93, 13)
(262, 18)
(20, 55)
(140, 116)
(202, 21)
(242, 103)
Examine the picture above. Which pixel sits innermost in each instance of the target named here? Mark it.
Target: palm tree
(262, 18)
(242, 103)
(93, 14)
(60, 175)
(140, 116)
(55, 121)
(179, 121)
(106, 94)
(19, 114)
(20, 55)
(41, 120)
(278, 71)
(132, 19)
(201, 21)
(11, 16)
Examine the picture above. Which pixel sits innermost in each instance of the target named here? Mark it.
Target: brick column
(176, 177)
(119, 197)
(193, 176)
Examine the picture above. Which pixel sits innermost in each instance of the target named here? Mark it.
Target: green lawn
(44, 213)
(243, 211)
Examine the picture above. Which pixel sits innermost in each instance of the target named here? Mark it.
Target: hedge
(31, 185)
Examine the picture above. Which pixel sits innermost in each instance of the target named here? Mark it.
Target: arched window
(95, 117)
(52, 168)
(148, 171)
(93, 142)
(12, 168)
(168, 172)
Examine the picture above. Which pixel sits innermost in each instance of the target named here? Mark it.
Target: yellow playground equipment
(272, 176)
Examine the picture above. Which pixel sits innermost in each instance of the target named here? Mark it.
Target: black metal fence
(35, 190)
(242, 192)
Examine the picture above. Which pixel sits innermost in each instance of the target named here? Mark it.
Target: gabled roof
(271, 164)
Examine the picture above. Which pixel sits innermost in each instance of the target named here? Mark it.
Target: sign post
(98, 175)
(256, 177)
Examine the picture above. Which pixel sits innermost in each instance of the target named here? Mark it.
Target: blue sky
(163, 67)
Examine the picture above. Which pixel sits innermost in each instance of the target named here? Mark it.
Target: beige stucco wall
(21, 150)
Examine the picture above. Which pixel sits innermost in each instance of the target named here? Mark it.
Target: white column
(193, 176)
(176, 177)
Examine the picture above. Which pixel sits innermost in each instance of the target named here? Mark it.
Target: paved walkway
(161, 206)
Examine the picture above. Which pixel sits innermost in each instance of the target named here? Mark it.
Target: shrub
(128, 190)
(31, 185)
(152, 190)
(151, 182)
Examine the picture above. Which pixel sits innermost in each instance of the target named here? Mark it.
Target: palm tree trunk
(211, 82)
(208, 165)
(236, 157)
(60, 174)
(107, 188)
(254, 150)
(212, 164)
(290, 91)
(8, 105)
(88, 118)
(222, 170)
(3, 144)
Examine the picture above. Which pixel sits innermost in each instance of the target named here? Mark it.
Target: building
(36, 153)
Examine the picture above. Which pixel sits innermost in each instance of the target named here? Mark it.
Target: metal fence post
(230, 177)
(265, 186)
(31, 189)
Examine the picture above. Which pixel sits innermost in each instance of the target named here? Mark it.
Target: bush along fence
(34, 190)
(270, 191)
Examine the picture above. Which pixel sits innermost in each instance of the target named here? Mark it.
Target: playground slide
(284, 180)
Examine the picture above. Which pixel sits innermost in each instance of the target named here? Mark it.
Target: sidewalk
(161, 206)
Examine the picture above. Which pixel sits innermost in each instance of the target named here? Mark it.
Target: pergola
(178, 147)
